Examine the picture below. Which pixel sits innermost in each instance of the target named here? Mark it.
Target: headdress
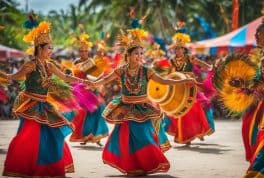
(82, 39)
(135, 36)
(180, 38)
(101, 43)
(39, 34)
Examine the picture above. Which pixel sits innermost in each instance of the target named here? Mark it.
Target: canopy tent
(240, 39)
(6, 52)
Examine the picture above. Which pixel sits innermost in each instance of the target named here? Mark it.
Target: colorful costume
(133, 146)
(39, 148)
(89, 124)
(194, 124)
(240, 90)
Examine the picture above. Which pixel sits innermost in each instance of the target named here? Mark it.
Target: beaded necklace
(134, 83)
(179, 67)
(44, 72)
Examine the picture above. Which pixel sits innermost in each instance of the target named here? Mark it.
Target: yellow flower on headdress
(82, 41)
(101, 45)
(39, 35)
(133, 38)
(30, 51)
(181, 37)
(138, 34)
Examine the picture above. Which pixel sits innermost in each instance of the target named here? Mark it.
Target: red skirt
(192, 125)
(23, 156)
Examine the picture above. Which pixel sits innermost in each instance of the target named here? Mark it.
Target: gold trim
(255, 174)
(35, 96)
(176, 140)
(119, 121)
(162, 167)
(69, 168)
(165, 146)
(46, 122)
(134, 99)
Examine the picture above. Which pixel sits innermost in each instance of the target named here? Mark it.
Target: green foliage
(113, 15)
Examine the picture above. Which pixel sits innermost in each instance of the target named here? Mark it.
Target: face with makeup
(44, 51)
(135, 55)
(83, 54)
(179, 51)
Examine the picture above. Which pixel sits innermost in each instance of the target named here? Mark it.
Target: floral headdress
(39, 35)
(82, 39)
(180, 38)
(135, 36)
(39, 32)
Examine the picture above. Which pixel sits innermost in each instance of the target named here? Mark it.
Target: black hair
(186, 51)
(130, 50)
(260, 27)
(36, 48)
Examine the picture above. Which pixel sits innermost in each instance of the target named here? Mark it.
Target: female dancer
(193, 124)
(133, 146)
(89, 124)
(39, 149)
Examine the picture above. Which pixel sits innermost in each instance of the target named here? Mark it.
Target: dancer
(239, 83)
(39, 149)
(133, 146)
(89, 124)
(194, 124)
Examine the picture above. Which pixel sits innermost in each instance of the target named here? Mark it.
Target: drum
(94, 67)
(174, 100)
(99, 67)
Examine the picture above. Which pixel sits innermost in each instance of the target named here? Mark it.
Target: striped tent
(242, 40)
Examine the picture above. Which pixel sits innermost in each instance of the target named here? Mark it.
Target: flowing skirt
(250, 129)
(89, 127)
(192, 125)
(133, 148)
(256, 168)
(38, 150)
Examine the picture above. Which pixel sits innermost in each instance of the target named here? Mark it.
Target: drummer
(194, 124)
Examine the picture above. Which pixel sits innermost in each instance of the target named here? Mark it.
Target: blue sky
(44, 6)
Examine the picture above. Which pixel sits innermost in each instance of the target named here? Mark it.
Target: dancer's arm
(22, 72)
(114, 75)
(66, 78)
(201, 63)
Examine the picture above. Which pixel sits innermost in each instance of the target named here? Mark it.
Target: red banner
(235, 15)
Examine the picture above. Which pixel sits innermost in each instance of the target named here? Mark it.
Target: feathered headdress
(101, 43)
(39, 34)
(133, 38)
(82, 39)
(180, 38)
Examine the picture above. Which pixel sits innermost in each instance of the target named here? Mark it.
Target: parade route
(219, 156)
